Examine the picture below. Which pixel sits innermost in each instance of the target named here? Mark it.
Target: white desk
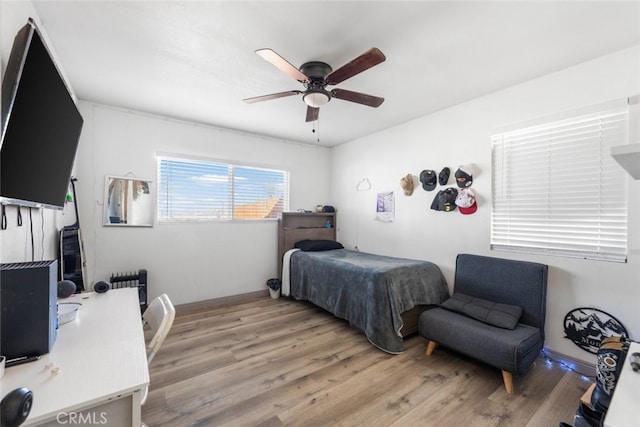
(102, 364)
(624, 410)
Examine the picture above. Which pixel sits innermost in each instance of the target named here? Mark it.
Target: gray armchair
(488, 292)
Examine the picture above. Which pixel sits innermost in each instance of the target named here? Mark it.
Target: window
(556, 188)
(196, 190)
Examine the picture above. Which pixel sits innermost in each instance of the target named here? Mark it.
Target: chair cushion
(505, 281)
(496, 314)
(512, 350)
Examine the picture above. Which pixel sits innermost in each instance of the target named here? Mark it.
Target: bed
(380, 295)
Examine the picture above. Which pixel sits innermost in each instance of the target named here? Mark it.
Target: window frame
(517, 223)
(231, 177)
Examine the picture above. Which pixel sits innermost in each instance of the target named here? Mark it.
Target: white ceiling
(195, 60)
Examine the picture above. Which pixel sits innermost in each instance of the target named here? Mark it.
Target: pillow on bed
(501, 315)
(317, 245)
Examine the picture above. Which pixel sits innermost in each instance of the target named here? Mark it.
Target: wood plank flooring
(269, 363)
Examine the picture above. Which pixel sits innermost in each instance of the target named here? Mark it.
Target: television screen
(41, 126)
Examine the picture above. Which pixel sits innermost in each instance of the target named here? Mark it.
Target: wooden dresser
(295, 226)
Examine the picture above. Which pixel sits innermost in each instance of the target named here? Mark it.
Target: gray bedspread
(370, 291)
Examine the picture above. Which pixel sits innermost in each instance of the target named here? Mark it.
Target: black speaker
(101, 287)
(15, 407)
(29, 308)
(66, 288)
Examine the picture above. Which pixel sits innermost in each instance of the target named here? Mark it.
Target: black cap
(443, 176)
(428, 179)
(464, 176)
(445, 200)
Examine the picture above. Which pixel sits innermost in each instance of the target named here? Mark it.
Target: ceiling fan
(316, 76)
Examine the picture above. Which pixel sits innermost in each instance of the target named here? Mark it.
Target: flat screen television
(41, 126)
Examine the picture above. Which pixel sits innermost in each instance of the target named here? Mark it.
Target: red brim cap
(471, 209)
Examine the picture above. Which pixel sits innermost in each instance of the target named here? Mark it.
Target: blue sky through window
(192, 190)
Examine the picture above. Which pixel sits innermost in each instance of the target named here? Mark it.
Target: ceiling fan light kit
(317, 75)
(316, 98)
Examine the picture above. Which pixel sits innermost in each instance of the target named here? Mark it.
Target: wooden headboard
(296, 226)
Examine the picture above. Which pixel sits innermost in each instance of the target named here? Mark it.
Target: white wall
(190, 262)
(460, 135)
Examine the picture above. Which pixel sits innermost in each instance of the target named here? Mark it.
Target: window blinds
(557, 190)
(192, 190)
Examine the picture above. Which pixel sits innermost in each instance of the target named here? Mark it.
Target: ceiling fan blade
(312, 114)
(271, 56)
(363, 62)
(271, 96)
(360, 98)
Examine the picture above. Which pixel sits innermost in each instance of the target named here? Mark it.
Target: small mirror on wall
(128, 202)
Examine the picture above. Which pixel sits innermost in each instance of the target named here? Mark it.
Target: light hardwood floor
(267, 362)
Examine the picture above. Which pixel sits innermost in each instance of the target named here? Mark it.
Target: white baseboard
(579, 366)
(216, 302)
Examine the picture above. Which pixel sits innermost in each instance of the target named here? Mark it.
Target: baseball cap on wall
(407, 184)
(428, 178)
(464, 175)
(443, 176)
(445, 200)
(466, 201)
